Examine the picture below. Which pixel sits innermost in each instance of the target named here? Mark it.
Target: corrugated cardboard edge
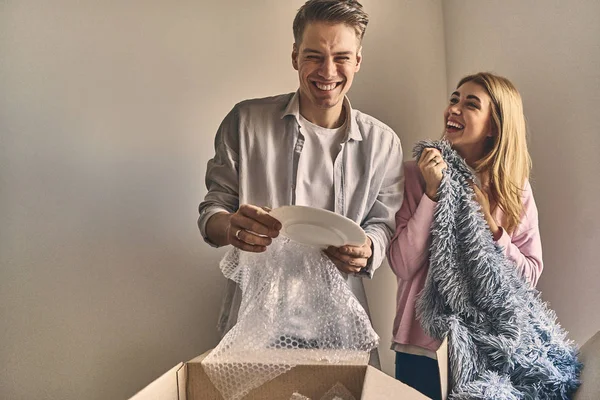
(182, 382)
(442, 356)
(166, 387)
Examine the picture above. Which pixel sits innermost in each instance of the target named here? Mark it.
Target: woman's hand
(431, 165)
(482, 198)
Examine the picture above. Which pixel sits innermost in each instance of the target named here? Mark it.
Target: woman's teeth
(452, 124)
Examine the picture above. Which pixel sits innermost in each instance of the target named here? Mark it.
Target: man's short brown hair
(349, 12)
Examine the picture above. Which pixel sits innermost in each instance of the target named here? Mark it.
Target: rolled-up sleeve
(222, 174)
(380, 224)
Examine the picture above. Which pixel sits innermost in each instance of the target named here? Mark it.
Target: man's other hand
(350, 259)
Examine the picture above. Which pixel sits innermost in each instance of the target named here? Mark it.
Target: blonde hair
(507, 159)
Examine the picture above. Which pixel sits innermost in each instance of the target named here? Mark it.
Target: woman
(485, 125)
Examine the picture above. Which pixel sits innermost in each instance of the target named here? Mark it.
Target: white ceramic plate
(318, 227)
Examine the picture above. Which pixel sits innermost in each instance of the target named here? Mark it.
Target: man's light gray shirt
(257, 149)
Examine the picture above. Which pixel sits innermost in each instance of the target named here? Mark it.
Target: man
(307, 148)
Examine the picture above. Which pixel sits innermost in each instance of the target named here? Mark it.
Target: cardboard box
(188, 381)
(590, 376)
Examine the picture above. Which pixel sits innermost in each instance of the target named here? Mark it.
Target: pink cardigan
(408, 252)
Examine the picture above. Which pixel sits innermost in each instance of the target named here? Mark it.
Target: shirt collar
(293, 108)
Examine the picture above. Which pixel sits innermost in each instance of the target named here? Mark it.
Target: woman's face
(468, 120)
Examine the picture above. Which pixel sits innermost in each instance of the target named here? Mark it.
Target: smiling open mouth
(454, 125)
(326, 86)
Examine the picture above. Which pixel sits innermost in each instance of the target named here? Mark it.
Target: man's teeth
(321, 86)
(452, 124)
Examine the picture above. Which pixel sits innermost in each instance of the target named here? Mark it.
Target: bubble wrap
(296, 309)
(337, 392)
(298, 396)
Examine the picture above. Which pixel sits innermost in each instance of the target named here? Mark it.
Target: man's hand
(252, 229)
(350, 259)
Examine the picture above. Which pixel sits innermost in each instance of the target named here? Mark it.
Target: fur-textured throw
(504, 341)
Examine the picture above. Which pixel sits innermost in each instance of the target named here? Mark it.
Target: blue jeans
(419, 372)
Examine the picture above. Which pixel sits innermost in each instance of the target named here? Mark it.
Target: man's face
(326, 60)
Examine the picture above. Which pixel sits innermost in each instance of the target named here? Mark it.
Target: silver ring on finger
(237, 235)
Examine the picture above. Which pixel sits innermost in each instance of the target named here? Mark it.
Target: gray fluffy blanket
(504, 342)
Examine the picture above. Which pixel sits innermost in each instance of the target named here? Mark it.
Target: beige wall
(551, 51)
(107, 116)
(403, 83)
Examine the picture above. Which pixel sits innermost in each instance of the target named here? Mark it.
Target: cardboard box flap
(442, 357)
(182, 382)
(378, 385)
(312, 379)
(166, 387)
(189, 382)
(590, 376)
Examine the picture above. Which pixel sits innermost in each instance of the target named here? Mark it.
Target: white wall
(551, 51)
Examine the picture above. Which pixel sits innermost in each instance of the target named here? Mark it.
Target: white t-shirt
(314, 182)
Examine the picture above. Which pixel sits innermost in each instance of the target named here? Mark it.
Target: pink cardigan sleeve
(408, 251)
(525, 245)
